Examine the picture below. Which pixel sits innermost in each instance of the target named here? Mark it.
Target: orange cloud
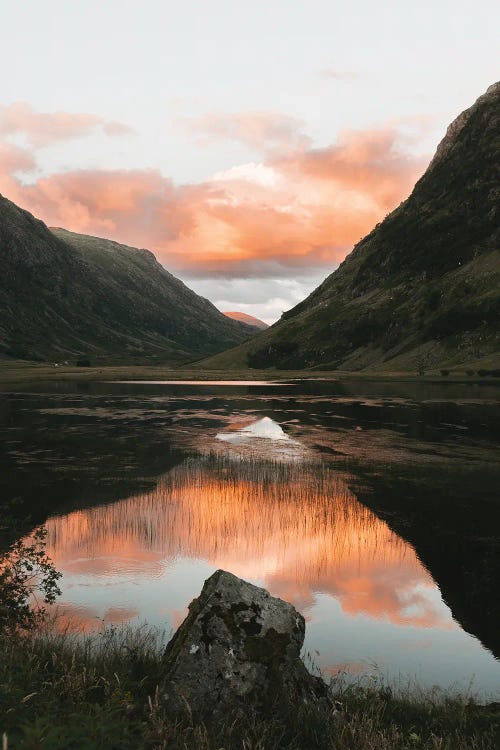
(304, 207)
(43, 128)
(127, 205)
(368, 163)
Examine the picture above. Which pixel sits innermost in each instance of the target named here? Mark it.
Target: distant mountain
(422, 290)
(248, 319)
(66, 296)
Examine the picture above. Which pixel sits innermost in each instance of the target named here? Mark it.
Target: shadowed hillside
(65, 295)
(422, 290)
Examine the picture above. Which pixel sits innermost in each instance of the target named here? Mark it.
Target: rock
(239, 647)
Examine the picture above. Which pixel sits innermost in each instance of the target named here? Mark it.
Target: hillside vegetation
(66, 296)
(422, 290)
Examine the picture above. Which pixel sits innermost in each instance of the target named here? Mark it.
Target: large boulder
(238, 648)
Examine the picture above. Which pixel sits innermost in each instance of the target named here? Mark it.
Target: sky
(248, 145)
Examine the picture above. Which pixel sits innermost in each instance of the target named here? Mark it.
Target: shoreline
(17, 371)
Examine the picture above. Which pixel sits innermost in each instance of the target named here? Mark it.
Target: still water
(359, 506)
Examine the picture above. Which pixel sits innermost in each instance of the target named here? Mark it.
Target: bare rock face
(238, 647)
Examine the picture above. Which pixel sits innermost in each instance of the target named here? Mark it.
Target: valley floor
(20, 371)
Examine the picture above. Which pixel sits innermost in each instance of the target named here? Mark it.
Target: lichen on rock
(239, 647)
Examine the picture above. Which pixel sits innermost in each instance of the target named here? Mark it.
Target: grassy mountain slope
(65, 295)
(250, 320)
(423, 288)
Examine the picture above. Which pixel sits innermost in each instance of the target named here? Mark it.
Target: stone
(238, 648)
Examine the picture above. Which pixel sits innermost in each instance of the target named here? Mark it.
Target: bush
(83, 363)
(25, 570)
(470, 372)
(445, 372)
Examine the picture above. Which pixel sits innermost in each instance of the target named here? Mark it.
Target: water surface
(333, 496)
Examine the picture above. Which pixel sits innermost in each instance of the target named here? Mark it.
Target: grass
(14, 372)
(103, 691)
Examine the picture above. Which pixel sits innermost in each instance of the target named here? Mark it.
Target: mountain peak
(250, 320)
(490, 97)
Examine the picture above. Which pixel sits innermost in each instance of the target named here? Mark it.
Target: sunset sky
(249, 145)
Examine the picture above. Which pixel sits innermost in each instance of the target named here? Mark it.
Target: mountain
(422, 290)
(66, 295)
(248, 319)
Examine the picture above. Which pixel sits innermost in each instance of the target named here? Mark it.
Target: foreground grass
(58, 691)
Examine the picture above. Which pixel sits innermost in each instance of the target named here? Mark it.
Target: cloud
(339, 75)
(252, 172)
(113, 127)
(373, 166)
(42, 128)
(262, 131)
(15, 159)
(265, 298)
(298, 210)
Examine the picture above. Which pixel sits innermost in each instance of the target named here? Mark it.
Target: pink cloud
(15, 159)
(303, 207)
(42, 128)
(113, 127)
(258, 130)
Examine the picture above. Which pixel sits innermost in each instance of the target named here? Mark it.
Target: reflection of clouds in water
(85, 619)
(120, 556)
(294, 527)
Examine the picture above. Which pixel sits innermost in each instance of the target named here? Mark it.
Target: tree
(27, 578)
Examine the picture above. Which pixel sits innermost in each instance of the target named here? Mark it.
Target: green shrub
(25, 570)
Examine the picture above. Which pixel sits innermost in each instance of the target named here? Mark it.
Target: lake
(372, 506)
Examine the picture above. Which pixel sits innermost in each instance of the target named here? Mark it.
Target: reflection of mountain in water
(263, 437)
(455, 538)
(294, 527)
(264, 428)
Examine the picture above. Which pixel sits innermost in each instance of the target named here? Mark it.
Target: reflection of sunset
(295, 528)
(85, 617)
